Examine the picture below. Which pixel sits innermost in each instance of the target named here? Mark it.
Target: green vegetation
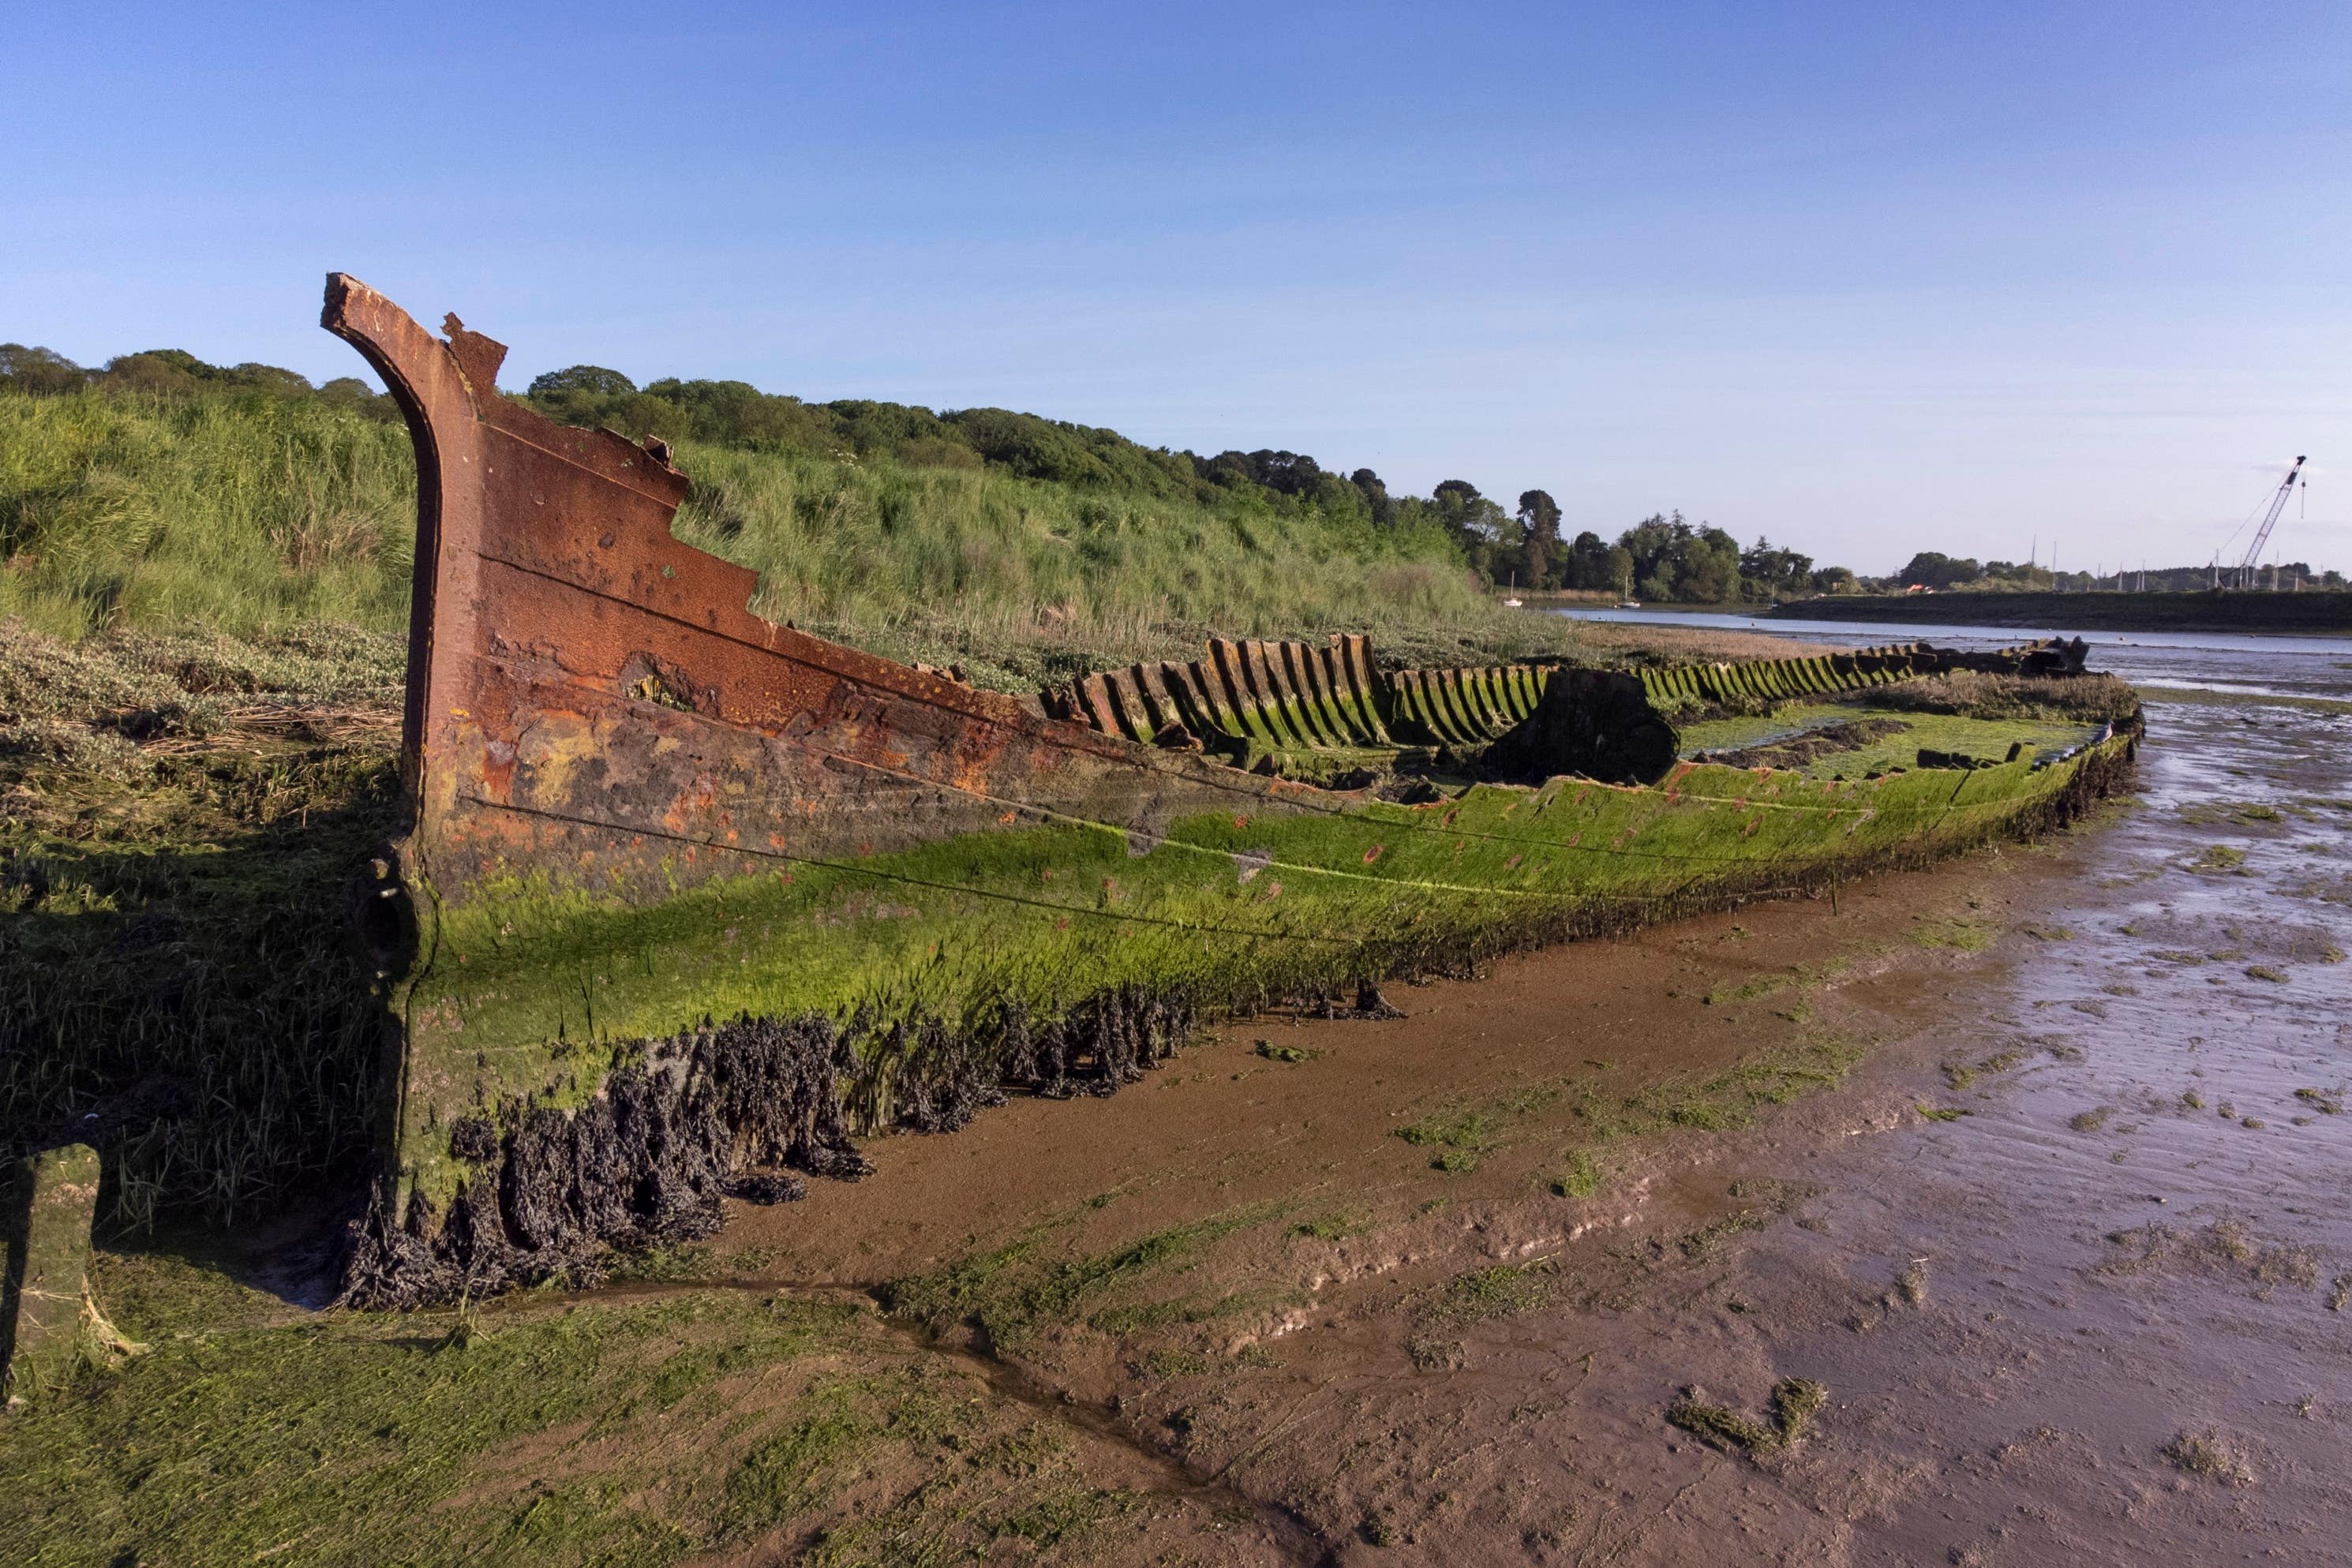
(537, 1434)
(165, 493)
(1663, 560)
(1731, 1099)
(1332, 1226)
(1014, 1293)
(1944, 573)
(186, 817)
(1795, 1401)
(1961, 1075)
(1873, 730)
(1504, 1290)
(1582, 1177)
(1961, 936)
(1458, 1136)
(228, 511)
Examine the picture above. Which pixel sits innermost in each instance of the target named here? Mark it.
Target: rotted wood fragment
(50, 1327)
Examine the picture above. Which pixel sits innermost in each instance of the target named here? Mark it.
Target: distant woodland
(1523, 544)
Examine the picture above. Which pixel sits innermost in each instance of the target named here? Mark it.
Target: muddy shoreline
(1512, 1278)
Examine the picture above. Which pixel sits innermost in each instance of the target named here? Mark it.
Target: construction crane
(2270, 521)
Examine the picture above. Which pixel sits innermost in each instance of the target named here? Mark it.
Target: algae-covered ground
(1032, 1352)
(1612, 1253)
(186, 817)
(1876, 729)
(1052, 1378)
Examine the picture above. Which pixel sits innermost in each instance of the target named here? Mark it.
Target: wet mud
(2029, 1176)
(1994, 1213)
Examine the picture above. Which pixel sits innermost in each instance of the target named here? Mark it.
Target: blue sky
(1866, 278)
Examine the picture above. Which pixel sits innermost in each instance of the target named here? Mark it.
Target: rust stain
(577, 676)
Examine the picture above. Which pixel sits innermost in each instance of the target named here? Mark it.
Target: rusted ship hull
(688, 899)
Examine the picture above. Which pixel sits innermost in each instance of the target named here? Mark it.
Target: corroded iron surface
(691, 897)
(591, 701)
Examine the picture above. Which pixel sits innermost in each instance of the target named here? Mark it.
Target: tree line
(1943, 573)
(1661, 558)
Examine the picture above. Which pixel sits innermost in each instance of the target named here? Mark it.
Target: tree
(40, 372)
(1710, 568)
(1621, 570)
(1538, 517)
(573, 380)
(1588, 565)
(1766, 573)
(1658, 550)
(1934, 569)
(1488, 535)
(162, 370)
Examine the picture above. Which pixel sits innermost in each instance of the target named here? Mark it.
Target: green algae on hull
(683, 893)
(534, 993)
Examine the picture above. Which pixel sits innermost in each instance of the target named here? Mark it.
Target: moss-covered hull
(687, 895)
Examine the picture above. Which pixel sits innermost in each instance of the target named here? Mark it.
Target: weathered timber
(50, 1329)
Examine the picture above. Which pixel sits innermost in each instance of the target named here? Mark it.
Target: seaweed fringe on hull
(632, 807)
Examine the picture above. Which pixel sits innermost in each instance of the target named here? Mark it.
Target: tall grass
(250, 513)
(1006, 569)
(227, 513)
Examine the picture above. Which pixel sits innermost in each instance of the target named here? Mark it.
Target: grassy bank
(252, 512)
(2225, 610)
(185, 816)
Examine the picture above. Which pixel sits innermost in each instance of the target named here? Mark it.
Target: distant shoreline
(2308, 611)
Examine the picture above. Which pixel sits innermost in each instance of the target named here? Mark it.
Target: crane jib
(2270, 521)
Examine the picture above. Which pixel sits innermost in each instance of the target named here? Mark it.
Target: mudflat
(1991, 1214)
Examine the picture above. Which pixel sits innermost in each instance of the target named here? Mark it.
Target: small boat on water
(1628, 604)
(685, 901)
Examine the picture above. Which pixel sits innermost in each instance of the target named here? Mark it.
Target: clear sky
(1864, 277)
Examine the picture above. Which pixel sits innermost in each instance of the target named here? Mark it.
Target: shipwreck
(688, 901)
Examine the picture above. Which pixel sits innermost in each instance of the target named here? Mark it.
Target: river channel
(2135, 1235)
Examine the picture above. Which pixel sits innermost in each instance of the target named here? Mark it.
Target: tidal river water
(2136, 1224)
